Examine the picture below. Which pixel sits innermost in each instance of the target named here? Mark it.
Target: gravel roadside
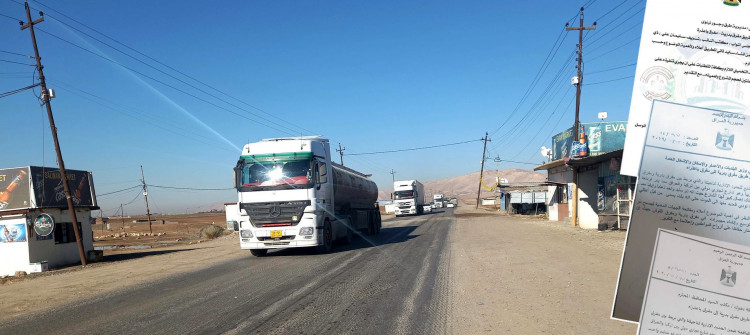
(523, 275)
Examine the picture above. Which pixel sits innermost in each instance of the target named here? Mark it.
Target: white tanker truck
(292, 195)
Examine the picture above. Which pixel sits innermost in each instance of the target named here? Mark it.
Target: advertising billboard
(49, 190)
(14, 188)
(601, 137)
(35, 187)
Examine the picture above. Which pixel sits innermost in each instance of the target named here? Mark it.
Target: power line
(533, 138)
(191, 188)
(611, 10)
(3, 95)
(175, 78)
(517, 127)
(554, 128)
(134, 199)
(118, 191)
(607, 81)
(156, 122)
(171, 68)
(161, 82)
(412, 149)
(10, 17)
(610, 69)
(615, 49)
(599, 37)
(537, 76)
(517, 162)
(13, 62)
(16, 53)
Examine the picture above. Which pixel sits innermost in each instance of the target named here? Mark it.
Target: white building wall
(552, 204)
(587, 188)
(61, 254)
(14, 255)
(562, 175)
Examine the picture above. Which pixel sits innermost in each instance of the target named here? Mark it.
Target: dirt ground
(166, 230)
(526, 275)
(515, 275)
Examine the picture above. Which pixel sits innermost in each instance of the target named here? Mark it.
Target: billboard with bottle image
(38, 187)
(600, 137)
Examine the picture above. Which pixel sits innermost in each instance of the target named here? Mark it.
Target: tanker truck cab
(286, 195)
(408, 197)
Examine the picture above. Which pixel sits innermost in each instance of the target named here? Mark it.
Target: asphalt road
(396, 282)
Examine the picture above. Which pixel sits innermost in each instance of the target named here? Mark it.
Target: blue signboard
(601, 137)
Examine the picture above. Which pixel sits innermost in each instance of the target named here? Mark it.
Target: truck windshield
(404, 194)
(276, 174)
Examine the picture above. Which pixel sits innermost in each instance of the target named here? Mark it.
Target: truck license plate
(276, 233)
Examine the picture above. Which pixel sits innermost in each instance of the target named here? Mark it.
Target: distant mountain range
(465, 187)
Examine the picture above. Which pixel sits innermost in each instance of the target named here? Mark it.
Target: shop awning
(550, 165)
(591, 160)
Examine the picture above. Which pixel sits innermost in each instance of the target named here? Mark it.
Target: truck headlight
(246, 233)
(306, 231)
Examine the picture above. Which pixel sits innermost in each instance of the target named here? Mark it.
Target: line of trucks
(409, 199)
(291, 194)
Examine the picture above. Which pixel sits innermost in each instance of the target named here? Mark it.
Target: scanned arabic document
(694, 178)
(697, 286)
(694, 52)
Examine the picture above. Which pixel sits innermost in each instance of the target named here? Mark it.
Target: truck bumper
(291, 235)
(271, 244)
(406, 211)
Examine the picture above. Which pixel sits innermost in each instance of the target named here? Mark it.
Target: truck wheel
(258, 252)
(370, 223)
(349, 230)
(327, 238)
(378, 223)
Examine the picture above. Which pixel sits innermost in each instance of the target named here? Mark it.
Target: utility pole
(579, 76)
(481, 172)
(393, 175)
(341, 153)
(145, 195)
(122, 218)
(46, 100)
(576, 124)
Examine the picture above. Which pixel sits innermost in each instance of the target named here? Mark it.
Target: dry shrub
(210, 232)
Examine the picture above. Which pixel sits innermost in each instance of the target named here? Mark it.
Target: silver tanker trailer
(290, 194)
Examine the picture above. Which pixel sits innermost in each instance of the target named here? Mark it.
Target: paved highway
(396, 282)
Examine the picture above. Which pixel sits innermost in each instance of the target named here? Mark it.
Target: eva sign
(44, 225)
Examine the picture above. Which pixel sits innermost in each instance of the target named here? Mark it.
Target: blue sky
(373, 76)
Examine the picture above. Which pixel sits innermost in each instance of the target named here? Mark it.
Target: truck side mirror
(322, 173)
(238, 173)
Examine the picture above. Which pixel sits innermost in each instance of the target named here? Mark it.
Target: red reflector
(277, 224)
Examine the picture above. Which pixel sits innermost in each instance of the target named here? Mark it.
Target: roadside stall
(36, 231)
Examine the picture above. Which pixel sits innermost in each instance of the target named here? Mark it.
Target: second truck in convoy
(290, 194)
(408, 197)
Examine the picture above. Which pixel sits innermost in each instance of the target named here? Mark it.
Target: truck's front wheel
(378, 223)
(258, 252)
(327, 238)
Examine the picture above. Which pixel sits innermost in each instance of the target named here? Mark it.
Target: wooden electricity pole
(145, 195)
(122, 218)
(46, 99)
(576, 124)
(341, 153)
(481, 172)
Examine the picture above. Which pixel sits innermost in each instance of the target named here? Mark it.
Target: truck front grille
(275, 212)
